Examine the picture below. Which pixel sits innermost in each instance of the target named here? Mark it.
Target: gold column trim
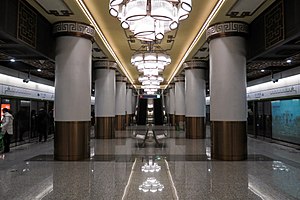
(226, 29)
(72, 28)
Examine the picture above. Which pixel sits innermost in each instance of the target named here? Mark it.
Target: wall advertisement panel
(286, 120)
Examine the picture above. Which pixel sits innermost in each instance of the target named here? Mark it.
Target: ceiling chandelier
(151, 80)
(150, 19)
(150, 60)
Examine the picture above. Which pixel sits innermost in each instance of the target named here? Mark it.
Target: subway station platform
(183, 170)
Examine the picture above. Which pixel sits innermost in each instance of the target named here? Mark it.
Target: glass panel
(22, 120)
(286, 120)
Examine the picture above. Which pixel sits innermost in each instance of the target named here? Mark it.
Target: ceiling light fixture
(150, 63)
(146, 80)
(12, 60)
(150, 19)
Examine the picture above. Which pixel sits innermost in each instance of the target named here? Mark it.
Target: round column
(172, 104)
(134, 100)
(180, 102)
(120, 103)
(129, 104)
(167, 104)
(195, 104)
(228, 113)
(73, 55)
(105, 90)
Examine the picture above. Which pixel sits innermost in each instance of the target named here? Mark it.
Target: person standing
(42, 123)
(7, 129)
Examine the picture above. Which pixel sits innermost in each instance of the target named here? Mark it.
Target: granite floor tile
(114, 172)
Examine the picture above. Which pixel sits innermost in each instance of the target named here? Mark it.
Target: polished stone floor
(123, 169)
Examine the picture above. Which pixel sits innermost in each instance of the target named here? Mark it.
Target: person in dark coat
(42, 124)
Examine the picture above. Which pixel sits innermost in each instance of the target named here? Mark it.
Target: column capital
(180, 78)
(105, 64)
(121, 78)
(129, 86)
(226, 29)
(72, 28)
(171, 85)
(195, 64)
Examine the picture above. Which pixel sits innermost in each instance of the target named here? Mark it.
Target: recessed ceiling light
(39, 70)
(12, 60)
(289, 61)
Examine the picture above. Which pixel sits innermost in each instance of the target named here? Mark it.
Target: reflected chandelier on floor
(150, 19)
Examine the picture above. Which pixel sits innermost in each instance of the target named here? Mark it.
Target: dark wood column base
(105, 128)
(120, 122)
(228, 140)
(72, 140)
(195, 127)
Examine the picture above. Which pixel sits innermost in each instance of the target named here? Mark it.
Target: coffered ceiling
(186, 43)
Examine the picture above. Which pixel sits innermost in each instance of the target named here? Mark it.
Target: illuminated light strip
(171, 179)
(197, 38)
(107, 45)
(129, 180)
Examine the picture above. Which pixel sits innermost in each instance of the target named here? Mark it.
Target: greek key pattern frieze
(179, 79)
(195, 64)
(227, 29)
(105, 65)
(27, 23)
(73, 28)
(121, 79)
(274, 25)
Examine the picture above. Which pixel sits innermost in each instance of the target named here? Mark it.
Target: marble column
(73, 64)
(228, 105)
(167, 104)
(120, 103)
(105, 94)
(129, 104)
(180, 102)
(172, 104)
(195, 93)
(134, 101)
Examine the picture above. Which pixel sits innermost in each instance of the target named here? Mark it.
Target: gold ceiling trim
(87, 13)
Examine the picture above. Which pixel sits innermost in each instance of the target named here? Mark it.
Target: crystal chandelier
(150, 60)
(150, 19)
(151, 80)
(151, 83)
